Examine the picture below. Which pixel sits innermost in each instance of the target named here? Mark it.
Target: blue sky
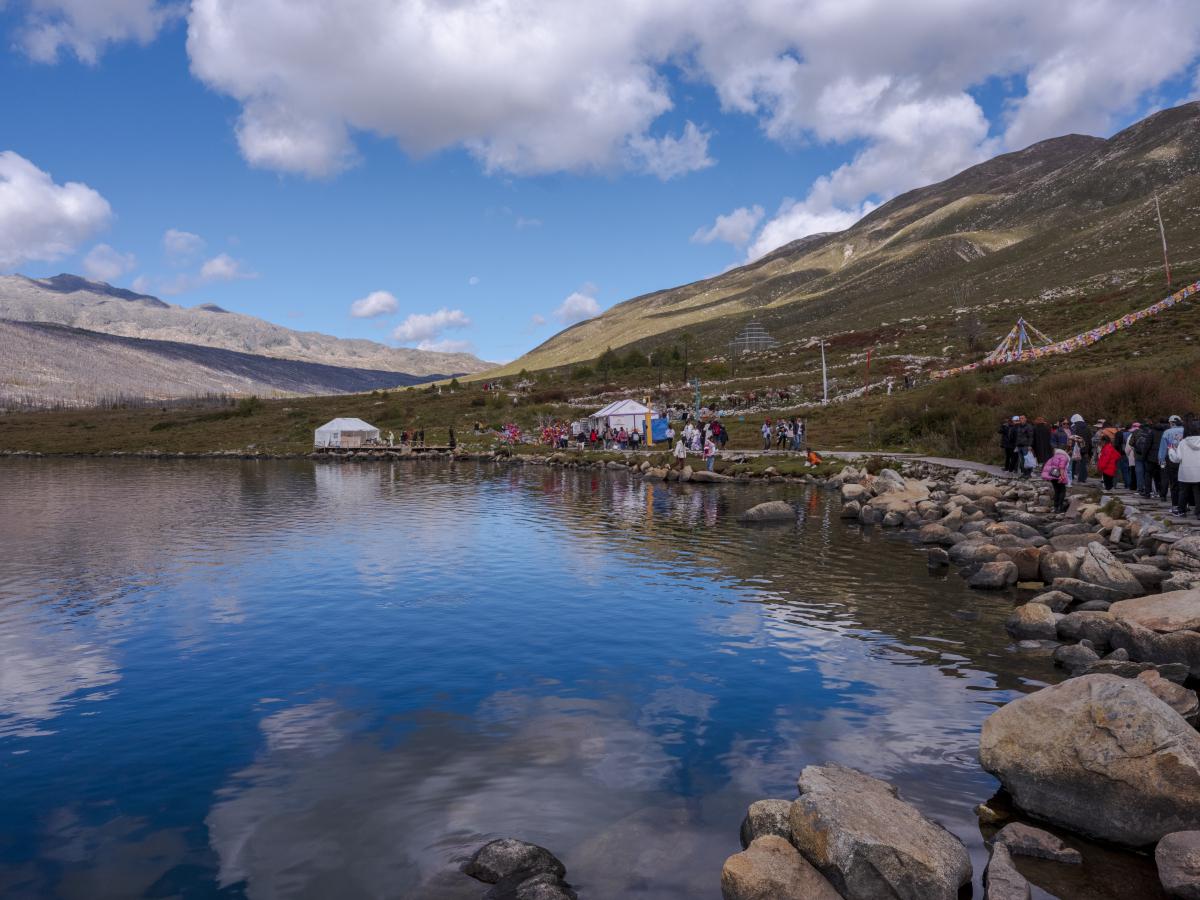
(315, 161)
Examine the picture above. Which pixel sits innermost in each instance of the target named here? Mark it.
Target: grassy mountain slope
(44, 364)
(1069, 213)
(95, 306)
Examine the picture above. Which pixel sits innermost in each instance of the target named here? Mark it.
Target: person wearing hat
(1081, 452)
(1168, 461)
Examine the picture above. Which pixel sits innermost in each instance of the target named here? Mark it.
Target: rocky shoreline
(1112, 753)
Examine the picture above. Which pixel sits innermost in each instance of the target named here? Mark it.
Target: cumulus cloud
(376, 303)
(537, 320)
(734, 228)
(473, 280)
(42, 220)
(86, 27)
(578, 306)
(103, 263)
(523, 223)
(446, 346)
(181, 245)
(669, 157)
(429, 327)
(222, 267)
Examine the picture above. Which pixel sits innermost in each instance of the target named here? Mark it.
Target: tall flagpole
(1163, 232)
(824, 376)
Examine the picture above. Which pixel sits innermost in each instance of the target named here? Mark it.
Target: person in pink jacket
(1057, 471)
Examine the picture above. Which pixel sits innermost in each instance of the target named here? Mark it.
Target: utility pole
(824, 375)
(696, 399)
(1163, 233)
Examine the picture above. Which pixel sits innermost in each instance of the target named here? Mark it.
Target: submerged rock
(1076, 658)
(1025, 840)
(505, 857)
(1177, 857)
(1100, 755)
(869, 843)
(772, 869)
(767, 817)
(771, 511)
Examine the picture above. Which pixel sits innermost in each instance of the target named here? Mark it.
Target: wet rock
(522, 886)
(967, 552)
(994, 576)
(1057, 564)
(1144, 645)
(1099, 755)
(1096, 627)
(1122, 668)
(892, 519)
(938, 557)
(1033, 621)
(1025, 840)
(1177, 857)
(1085, 590)
(1176, 696)
(868, 515)
(1070, 542)
(1185, 553)
(772, 869)
(1013, 528)
(1093, 606)
(851, 510)
(1164, 613)
(869, 843)
(505, 857)
(1001, 879)
(855, 492)
(1056, 600)
(767, 817)
(771, 511)
(936, 534)
(1075, 658)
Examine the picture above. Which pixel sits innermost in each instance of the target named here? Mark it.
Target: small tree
(634, 359)
(607, 362)
(685, 339)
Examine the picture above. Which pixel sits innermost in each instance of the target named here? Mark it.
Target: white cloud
(447, 346)
(85, 27)
(578, 306)
(669, 157)
(429, 327)
(224, 267)
(103, 263)
(41, 220)
(473, 280)
(523, 223)
(376, 303)
(537, 320)
(181, 245)
(734, 228)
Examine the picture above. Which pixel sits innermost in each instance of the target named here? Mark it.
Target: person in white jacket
(1189, 468)
(680, 453)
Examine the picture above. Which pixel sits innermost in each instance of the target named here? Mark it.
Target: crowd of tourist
(788, 434)
(1155, 458)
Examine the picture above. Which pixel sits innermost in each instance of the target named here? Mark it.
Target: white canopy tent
(345, 433)
(627, 414)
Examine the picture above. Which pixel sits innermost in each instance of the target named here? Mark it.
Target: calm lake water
(284, 679)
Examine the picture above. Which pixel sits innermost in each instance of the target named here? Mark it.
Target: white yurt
(627, 414)
(345, 433)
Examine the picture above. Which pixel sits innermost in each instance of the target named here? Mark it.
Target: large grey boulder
(506, 857)
(1001, 880)
(994, 576)
(1177, 857)
(936, 534)
(1100, 567)
(1032, 622)
(870, 843)
(1144, 645)
(1185, 553)
(1056, 600)
(1181, 699)
(966, 552)
(1100, 755)
(1070, 542)
(1075, 658)
(767, 817)
(855, 492)
(771, 511)
(1164, 613)
(772, 869)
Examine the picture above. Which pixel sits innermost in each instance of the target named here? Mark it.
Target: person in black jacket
(1008, 443)
(1041, 441)
(1155, 482)
(1024, 442)
(1083, 436)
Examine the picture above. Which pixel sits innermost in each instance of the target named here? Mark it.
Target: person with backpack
(1168, 459)
(1189, 467)
(1154, 471)
(1142, 441)
(1041, 441)
(1081, 453)
(1123, 467)
(1057, 471)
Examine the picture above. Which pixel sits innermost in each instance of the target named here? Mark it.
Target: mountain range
(69, 340)
(1058, 213)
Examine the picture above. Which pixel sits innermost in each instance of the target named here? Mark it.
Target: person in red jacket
(1107, 463)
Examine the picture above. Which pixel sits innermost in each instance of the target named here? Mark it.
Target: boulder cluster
(519, 870)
